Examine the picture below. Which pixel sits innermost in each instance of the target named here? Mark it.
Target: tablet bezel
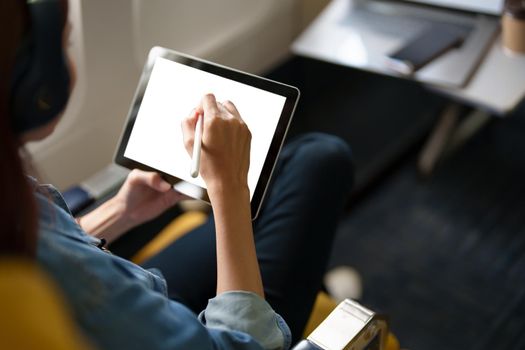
(289, 92)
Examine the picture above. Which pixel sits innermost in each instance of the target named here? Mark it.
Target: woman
(219, 267)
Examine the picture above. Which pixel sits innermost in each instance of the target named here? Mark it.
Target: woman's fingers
(209, 105)
(231, 108)
(188, 128)
(151, 179)
(225, 110)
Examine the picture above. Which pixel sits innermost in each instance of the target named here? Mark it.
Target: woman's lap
(293, 234)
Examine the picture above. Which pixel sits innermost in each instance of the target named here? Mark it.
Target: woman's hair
(18, 213)
(18, 209)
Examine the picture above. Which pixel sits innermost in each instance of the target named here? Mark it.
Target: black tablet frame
(289, 92)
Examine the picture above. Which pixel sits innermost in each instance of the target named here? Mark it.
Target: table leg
(437, 140)
(449, 134)
(468, 127)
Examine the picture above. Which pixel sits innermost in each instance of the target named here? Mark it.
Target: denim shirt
(119, 305)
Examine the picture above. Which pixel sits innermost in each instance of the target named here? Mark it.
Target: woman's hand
(225, 159)
(225, 153)
(142, 197)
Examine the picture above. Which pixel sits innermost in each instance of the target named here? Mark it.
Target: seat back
(34, 315)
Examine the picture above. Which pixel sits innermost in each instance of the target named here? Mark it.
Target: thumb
(188, 128)
(152, 180)
(159, 184)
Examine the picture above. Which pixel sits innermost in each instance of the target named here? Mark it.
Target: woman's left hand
(144, 196)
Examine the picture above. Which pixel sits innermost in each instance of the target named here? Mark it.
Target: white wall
(110, 42)
(107, 74)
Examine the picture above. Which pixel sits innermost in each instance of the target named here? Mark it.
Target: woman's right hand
(225, 153)
(225, 159)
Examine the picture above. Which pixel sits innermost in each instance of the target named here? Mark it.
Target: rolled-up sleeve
(247, 312)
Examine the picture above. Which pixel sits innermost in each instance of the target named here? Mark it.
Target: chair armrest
(95, 190)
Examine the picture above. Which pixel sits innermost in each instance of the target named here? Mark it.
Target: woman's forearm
(225, 161)
(237, 265)
(106, 221)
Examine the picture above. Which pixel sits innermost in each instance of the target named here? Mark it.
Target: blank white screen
(173, 91)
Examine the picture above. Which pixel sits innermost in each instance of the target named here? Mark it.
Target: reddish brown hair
(18, 211)
(18, 217)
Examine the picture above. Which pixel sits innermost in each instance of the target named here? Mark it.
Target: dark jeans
(293, 234)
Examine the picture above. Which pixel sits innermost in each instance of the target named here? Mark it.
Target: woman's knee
(326, 153)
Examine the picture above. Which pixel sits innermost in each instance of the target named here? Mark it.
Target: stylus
(197, 143)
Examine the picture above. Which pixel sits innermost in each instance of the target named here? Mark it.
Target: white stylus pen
(197, 144)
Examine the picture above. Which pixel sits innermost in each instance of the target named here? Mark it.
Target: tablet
(171, 85)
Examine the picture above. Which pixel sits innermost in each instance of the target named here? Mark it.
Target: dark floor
(444, 257)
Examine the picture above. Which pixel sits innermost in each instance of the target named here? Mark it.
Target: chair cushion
(34, 315)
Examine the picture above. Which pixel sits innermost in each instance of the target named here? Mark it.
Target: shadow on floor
(445, 258)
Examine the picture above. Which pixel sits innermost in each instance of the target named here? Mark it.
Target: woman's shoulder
(54, 216)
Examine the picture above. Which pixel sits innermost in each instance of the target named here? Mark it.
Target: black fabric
(381, 117)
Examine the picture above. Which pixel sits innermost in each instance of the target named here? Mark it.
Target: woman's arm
(106, 221)
(142, 197)
(237, 265)
(225, 160)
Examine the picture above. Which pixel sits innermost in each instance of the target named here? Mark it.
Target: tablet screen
(173, 90)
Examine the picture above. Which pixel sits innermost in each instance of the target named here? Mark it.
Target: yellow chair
(33, 314)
